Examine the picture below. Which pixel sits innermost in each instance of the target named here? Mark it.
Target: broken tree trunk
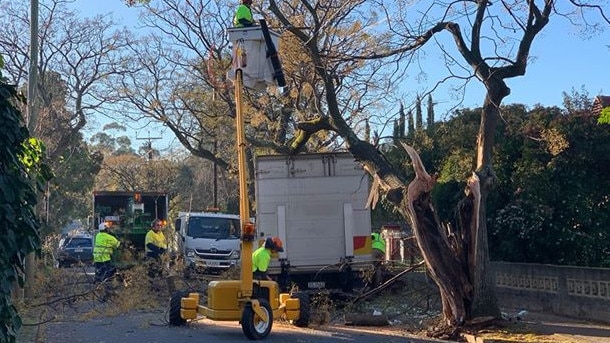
(445, 267)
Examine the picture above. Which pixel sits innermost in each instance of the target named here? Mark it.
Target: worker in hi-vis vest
(378, 245)
(243, 15)
(378, 252)
(104, 245)
(261, 257)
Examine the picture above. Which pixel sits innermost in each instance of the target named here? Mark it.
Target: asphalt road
(151, 327)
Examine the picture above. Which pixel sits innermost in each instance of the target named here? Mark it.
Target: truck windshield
(212, 227)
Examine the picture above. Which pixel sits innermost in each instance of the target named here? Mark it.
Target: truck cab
(208, 241)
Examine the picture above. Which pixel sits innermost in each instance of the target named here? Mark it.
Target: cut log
(359, 319)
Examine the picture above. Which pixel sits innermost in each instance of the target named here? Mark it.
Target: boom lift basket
(251, 55)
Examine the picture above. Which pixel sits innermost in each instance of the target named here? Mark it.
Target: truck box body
(130, 213)
(316, 204)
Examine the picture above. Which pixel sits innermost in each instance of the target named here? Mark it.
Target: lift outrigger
(253, 303)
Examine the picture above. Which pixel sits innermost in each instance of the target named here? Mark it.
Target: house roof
(600, 102)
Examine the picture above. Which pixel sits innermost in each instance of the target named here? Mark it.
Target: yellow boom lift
(253, 303)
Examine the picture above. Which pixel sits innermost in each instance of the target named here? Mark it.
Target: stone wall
(577, 292)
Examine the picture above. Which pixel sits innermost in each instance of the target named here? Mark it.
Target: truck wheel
(304, 311)
(252, 325)
(174, 308)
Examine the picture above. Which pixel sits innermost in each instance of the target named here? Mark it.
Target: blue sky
(559, 63)
(557, 66)
(140, 131)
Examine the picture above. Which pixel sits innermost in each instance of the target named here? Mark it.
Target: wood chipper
(253, 303)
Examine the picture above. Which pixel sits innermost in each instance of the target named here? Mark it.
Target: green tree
(419, 120)
(107, 142)
(555, 209)
(401, 121)
(68, 193)
(72, 65)
(548, 205)
(22, 174)
(410, 124)
(430, 114)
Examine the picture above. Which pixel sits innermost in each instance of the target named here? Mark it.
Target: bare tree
(178, 75)
(75, 56)
(179, 78)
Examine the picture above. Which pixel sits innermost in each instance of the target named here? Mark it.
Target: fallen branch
(387, 283)
(359, 319)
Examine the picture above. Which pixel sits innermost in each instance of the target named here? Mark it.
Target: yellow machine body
(226, 303)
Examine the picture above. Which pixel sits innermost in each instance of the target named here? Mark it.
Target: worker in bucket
(261, 257)
(243, 15)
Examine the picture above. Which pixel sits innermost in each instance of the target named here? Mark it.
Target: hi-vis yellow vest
(378, 242)
(104, 246)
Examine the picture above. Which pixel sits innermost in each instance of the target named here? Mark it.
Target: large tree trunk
(484, 302)
(456, 261)
(440, 255)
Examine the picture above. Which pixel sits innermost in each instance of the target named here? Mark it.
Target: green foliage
(551, 200)
(21, 171)
(74, 176)
(113, 144)
(604, 117)
(551, 196)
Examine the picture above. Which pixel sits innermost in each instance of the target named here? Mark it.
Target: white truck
(208, 241)
(316, 203)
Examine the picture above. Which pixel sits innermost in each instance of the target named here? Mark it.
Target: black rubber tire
(304, 311)
(252, 326)
(174, 308)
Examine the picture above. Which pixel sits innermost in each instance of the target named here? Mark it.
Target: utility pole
(215, 174)
(149, 148)
(32, 118)
(149, 153)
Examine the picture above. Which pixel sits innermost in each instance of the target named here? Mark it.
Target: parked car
(75, 249)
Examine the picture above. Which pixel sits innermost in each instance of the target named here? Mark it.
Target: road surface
(151, 327)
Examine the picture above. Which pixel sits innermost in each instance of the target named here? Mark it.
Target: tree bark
(484, 302)
(443, 263)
